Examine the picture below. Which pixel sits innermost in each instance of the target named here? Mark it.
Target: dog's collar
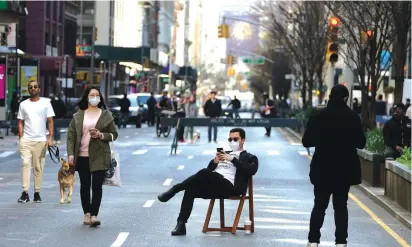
(66, 173)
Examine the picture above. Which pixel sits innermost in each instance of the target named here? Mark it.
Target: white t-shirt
(34, 115)
(227, 169)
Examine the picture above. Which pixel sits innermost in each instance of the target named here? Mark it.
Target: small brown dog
(66, 180)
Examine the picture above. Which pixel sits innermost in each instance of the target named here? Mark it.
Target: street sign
(253, 60)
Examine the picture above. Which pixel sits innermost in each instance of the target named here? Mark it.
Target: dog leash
(54, 154)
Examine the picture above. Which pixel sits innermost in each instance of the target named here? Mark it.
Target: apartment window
(48, 9)
(54, 40)
(46, 38)
(60, 7)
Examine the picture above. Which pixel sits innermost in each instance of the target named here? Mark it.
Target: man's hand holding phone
(222, 156)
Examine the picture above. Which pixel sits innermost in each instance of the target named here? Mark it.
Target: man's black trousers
(340, 206)
(204, 184)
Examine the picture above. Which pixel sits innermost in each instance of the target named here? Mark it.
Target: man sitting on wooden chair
(226, 175)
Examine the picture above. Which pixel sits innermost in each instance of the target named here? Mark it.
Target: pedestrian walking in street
(212, 109)
(268, 111)
(336, 132)
(89, 134)
(151, 113)
(124, 110)
(192, 111)
(397, 133)
(32, 117)
(235, 103)
(226, 175)
(60, 112)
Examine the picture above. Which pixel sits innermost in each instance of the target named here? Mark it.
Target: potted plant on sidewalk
(372, 159)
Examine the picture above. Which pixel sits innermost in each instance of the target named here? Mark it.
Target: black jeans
(340, 206)
(90, 179)
(204, 184)
(151, 117)
(268, 130)
(209, 133)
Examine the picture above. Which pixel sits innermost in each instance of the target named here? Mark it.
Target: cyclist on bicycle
(164, 104)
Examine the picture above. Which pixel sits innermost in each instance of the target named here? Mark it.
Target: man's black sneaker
(37, 197)
(24, 197)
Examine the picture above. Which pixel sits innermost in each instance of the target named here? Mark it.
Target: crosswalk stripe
(207, 152)
(148, 203)
(140, 151)
(6, 153)
(275, 152)
(167, 182)
(181, 167)
(303, 152)
(190, 157)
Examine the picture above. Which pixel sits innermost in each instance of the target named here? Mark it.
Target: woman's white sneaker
(312, 245)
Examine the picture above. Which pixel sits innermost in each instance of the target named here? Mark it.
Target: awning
(10, 50)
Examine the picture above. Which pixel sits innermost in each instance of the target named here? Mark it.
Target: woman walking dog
(89, 134)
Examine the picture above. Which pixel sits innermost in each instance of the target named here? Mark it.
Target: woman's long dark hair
(84, 101)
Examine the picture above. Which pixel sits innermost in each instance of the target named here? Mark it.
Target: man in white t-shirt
(32, 116)
(226, 175)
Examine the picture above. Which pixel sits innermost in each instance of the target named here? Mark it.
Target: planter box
(398, 184)
(373, 168)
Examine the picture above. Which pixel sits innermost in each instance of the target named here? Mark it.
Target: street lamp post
(92, 40)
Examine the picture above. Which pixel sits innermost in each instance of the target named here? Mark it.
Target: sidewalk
(378, 196)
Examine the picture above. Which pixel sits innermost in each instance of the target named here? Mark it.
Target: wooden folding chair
(235, 227)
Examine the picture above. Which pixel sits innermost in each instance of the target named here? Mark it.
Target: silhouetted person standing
(151, 104)
(212, 109)
(336, 132)
(235, 103)
(124, 110)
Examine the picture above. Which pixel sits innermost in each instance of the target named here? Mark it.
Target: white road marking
(181, 167)
(208, 152)
(167, 182)
(190, 157)
(148, 204)
(126, 137)
(140, 151)
(6, 153)
(303, 152)
(120, 239)
(296, 144)
(173, 152)
(1, 178)
(273, 152)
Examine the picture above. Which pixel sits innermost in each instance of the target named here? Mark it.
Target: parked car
(138, 114)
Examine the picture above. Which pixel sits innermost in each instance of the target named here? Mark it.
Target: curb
(394, 210)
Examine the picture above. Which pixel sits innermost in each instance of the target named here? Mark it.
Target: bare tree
(401, 11)
(367, 30)
(301, 28)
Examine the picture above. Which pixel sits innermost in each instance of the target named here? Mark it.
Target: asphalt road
(132, 216)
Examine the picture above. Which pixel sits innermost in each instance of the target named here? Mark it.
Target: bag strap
(112, 143)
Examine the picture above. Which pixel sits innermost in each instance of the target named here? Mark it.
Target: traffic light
(96, 33)
(223, 31)
(365, 36)
(333, 47)
(231, 71)
(146, 62)
(230, 60)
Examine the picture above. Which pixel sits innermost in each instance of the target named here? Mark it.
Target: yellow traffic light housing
(230, 60)
(223, 31)
(146, 62)
(333, 47)
(231, 71)
(96, 33)
(233, 60)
